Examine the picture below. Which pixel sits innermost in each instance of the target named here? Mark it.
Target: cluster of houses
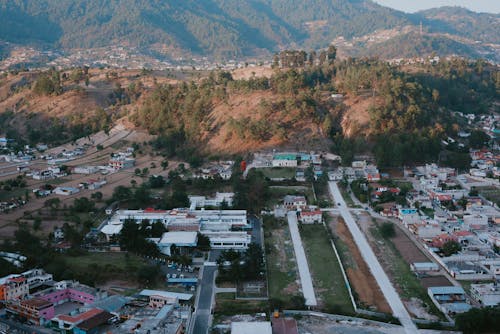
(484, 163)
(71, 307)
(358, 170)
(306, 214)
(440, 211)
(222, 169)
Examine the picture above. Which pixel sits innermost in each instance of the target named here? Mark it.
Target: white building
(294, 202)
(476, 221)
(85, 170)
(228, 239)
(66, 191)
(486, 294)
(121, 162)
(310, 217)
(284, 160)
(179, 239)
(202, 201)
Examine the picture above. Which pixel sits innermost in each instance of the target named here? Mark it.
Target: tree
(451, 247)
(122, 193)
(478, 139)
(387, 230)
(156, 181)
(253, 261)
(483, 320)
(203, 242)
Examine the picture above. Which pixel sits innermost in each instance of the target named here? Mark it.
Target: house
(336, 175)
(121, 162)
(424, 267)
(166, 295)
(476, 221)
(85, 170)
(284, 160)
(487, 294)
(294, 202)
(66, 191)
(216, 201)
(13, 287)
(426, 231)
(441, 239)
(449, 299)
(311, 217)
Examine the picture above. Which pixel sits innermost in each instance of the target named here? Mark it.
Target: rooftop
(80, 317)
(166, 294)
(263, 327)
(446, 290)
(180, 237)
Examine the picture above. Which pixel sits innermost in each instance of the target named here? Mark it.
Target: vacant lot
(490, 193)
(279, 172)
(366, 290)
(280, 259)
(411, 290)
(328, 281)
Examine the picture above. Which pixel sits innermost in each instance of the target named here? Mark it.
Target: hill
(220, 28)
(291, 108)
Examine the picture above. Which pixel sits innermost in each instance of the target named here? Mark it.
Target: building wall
(61, 296)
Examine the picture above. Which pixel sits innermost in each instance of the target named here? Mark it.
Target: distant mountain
(413, 44)
(223, 28)
(459, 21)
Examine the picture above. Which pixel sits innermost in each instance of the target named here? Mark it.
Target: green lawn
(345, 195)
(118, 260)
(279, 172)
(280, 259)
(328, 282)
(6, 195)
(279, 192)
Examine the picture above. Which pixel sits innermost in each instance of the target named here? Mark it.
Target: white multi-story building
(213, 223)
(203, 201)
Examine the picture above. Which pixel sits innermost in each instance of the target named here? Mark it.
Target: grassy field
(119, 260)
(409, 285)
(327, 275)
(279, 172)
(226, 305)
(346, 196)
(490, 193)
(280, 259)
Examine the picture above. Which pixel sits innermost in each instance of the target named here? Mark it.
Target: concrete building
(66, 191)
(449, 299)
(121, 162)
(13, 287)
(85, 170)
(35, 310)
(179, 239)
(254, 327)
(424, 267)
(486, 294)
(311, 217)
(284, 160)
(294, 202)
(216, 201)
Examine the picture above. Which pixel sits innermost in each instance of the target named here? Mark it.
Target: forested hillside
(224, 28)
(399, 113)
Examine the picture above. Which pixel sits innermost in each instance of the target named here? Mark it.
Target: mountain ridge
(222, 28)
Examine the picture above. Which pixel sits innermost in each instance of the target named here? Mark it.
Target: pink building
(70, 292)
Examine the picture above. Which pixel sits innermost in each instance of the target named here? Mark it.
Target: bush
(387, 230)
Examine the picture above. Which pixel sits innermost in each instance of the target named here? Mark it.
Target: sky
(490, 6)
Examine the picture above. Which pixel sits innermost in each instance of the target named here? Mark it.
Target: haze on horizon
(410, 6)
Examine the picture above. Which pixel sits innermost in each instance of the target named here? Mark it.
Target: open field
(366, 290)
(281, 264)
(490, 193)
(410, 288)
(278, 172)
(328, 281)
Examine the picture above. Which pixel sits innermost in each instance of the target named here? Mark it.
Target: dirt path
(359, 274)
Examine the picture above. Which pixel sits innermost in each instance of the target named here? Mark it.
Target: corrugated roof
(443, 290)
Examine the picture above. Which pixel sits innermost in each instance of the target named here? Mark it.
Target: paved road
(300, 255)
(371, 260)
(204, 300)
